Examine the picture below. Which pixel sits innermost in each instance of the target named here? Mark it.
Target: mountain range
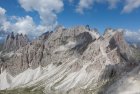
(74, 60)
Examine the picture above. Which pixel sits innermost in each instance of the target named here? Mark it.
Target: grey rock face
(14, 42)
(82, 60)
(64, 43)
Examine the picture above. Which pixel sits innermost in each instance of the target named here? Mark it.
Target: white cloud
(47, 9)
(4, 24)
(131, 5)
(2, 11)
(132, 36)
(113, 3)
(88, 4)
(2, 15)
(24, 25)
(84, 4)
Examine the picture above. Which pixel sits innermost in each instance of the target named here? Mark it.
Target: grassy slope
(22, 91)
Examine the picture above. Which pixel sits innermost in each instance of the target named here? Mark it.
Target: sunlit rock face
(14, 42)
(70, 61)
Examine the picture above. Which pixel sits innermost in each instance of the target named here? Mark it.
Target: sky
(33, 17)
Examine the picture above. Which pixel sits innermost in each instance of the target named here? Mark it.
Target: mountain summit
(68, 61)
(14, 42)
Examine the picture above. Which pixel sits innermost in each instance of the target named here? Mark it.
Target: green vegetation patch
(23, 91)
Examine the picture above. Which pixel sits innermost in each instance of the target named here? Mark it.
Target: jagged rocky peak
(45, 35)
(117, 33)
(14, 42)
(109, 32)
(75, 60)
(116, 39)
(79, 35)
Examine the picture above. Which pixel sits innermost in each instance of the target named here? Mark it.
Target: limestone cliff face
(14, 42)
(75, 60)
(56, 47)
